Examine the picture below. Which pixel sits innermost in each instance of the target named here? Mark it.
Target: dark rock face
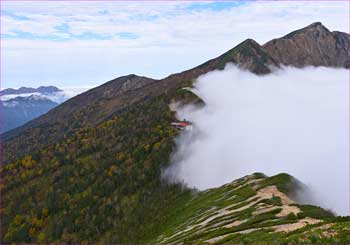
(313, 45)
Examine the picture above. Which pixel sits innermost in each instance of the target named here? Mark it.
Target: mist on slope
(294, 121)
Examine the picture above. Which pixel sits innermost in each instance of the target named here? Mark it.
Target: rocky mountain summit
(304, 47)
(313, 45)
(90, 170)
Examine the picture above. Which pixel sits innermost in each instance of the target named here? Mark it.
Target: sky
(85, 44)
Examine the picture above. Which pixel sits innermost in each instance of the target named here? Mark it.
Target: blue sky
(89, 43)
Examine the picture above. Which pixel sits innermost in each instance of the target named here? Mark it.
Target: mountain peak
(250, 55)
(316, 24)
(250, 41)
(312, 45)
(315, 29)
(102, 153)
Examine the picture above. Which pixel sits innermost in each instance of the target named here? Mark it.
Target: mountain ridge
(25, 90)
(312, 45)
(90, 171)
(248, 55)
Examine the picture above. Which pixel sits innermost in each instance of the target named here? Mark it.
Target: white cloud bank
(294, 121)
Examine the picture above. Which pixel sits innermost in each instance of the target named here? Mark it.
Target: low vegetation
(103, 184)
(250, 210)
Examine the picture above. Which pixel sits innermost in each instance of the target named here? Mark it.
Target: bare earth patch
(294, 226)
(216, 239)
(271, 191)
(286, 209)
(235, 223)
(263, 209)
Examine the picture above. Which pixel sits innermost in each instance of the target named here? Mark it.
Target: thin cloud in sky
(92, 42)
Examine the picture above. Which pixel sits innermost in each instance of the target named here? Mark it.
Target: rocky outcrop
(249, 55)
(313, 45)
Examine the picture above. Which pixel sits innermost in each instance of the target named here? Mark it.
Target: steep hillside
(98, 104)
(253, 209)
(102, 184)
(89, 171)
(313, 45)
(87, 109)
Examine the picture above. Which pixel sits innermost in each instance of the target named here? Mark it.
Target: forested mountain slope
(98, 104)
(102, 184)
(89, 171)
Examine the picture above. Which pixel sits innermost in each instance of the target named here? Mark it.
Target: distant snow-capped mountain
(26, 90)
(19, 110)
(19, 106)
(50, 92)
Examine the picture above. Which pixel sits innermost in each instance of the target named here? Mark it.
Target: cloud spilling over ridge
(294, 121)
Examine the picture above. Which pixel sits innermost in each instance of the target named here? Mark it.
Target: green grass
(274, 201)
(283, 182)
(204, 205)
(313, 212)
